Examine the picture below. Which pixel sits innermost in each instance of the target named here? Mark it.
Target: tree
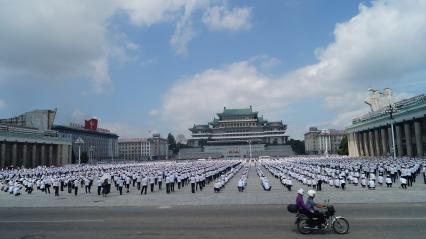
(172, 143)
(343, 147)
(298, 146)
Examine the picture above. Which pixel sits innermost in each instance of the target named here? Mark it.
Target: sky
(145, 66)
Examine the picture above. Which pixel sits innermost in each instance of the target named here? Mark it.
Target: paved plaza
(253, 194)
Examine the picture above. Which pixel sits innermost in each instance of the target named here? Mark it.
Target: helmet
(311, 193)
(300, 191)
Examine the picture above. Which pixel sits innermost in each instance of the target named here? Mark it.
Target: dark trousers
(139, 185)
(56, 190)
(172, 187)
(193, 187)
(121, 190)
(87, 188)
(144, 189)
(179, 183)
(160, 183)
(152, 187)
(99, 190)
(75, 190)
(167, 187)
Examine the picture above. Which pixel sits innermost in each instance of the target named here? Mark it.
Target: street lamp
(324, 133)
(91, 150)
(390, 111)
(79, 142)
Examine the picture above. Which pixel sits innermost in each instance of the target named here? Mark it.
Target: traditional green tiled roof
(236, 112)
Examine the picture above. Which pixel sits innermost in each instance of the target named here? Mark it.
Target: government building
(97, 143)
(371, 134)
(29, 140)
(238, 133)
(154, 148)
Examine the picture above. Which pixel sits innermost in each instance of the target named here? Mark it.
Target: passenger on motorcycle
(300, 203)
(312, 207)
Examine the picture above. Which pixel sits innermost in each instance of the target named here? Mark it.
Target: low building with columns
(371, 134)
(323, 141)
(28, 141)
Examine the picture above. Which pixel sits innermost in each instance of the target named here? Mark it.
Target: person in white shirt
(192, 180)
(144, 183)
(120, 183)
(371, 184)
(380, 180)
(56, 186)
(388, 181)
(403, 182)
(75, 187)
(217, 186)
(240, 185)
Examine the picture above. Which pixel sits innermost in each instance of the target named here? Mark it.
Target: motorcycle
(307, 225)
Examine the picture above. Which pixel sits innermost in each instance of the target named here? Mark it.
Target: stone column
(50, 162)
(24, 156)
(398, 140)
(376, 143)
(419, 142)
(366, 149)
(2, 155)
(69, 159)
(43, 155)
(361, 143)
(408, 143)
(14, 154)
(34, 156)
(371, 143)
(358, 143)
(385, 148)
(390, 144)
(59, 155)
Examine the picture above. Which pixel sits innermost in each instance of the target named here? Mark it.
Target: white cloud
(154, 112)
(100, 78)
(381, 45)
(2, 104)
(221, 18)
(61, 40)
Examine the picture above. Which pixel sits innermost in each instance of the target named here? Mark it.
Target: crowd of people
(169, 176)
(123, 177)
(338, 172)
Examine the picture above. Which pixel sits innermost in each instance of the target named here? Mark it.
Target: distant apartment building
(323, 141)
(154, 148)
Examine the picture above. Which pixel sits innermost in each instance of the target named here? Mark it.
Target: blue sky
(161, 66)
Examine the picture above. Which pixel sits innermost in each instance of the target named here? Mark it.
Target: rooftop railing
(397, 107)
(17, 132)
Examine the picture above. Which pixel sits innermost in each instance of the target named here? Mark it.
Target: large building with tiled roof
(234, 130)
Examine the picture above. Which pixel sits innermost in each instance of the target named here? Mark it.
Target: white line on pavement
(50, 221)
(391, 218)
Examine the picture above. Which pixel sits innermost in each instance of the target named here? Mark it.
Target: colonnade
(30, 155)
(409, 137)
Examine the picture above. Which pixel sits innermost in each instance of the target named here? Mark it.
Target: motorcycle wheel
(303, 227)
(341, 226)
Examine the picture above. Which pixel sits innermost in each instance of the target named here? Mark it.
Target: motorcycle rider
(313, 206)
(300, 203)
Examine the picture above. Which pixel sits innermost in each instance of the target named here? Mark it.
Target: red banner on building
(91, 124)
